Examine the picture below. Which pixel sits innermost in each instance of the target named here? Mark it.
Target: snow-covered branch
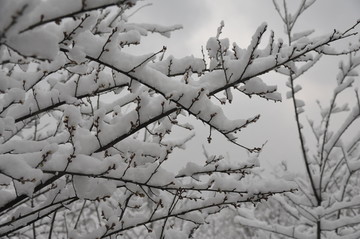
(85, 126)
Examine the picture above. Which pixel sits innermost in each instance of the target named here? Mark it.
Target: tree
(86, 126)
(245, 221)
(327, 203)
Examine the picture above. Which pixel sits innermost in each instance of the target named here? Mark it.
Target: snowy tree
(86, 126)
(226, 223)
(327, 203)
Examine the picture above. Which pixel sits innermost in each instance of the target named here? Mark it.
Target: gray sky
(200, 19)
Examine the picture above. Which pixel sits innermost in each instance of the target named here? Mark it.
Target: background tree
(85, 126)
(327, 203)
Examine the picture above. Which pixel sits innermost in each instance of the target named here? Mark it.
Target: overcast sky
(200, 19)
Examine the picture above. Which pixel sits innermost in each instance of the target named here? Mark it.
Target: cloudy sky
(200, 19)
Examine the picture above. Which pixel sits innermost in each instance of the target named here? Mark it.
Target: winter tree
(85, 126)
(327, 203)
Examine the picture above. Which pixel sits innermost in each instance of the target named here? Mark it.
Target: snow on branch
(86, 127)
